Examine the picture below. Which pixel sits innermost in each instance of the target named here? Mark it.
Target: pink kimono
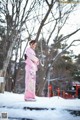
(30, 74)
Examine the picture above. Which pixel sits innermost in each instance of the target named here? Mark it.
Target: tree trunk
(7, 60)
(3, 72)
(2, 83)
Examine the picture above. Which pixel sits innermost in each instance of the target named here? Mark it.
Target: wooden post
(2, 85)
(76, 90)
(58, 90)
(50, 91)
(63, 94)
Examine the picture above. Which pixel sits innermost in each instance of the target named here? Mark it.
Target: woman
(30, 75)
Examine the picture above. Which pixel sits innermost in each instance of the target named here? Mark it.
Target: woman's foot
(30, 99)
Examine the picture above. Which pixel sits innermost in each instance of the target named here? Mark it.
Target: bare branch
(69, 35)
(51, 32)
(24, 10)
(43, 21)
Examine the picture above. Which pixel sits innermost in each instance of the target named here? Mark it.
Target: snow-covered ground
(54, 108)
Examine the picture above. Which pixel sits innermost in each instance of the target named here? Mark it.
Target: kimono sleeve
(32, 56)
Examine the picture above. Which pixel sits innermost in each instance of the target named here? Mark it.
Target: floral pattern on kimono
(30, 74)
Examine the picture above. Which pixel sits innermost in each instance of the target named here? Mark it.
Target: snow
(55, 108)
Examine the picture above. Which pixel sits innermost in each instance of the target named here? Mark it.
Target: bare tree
(36, 19)
(15, 13)
(52, 23)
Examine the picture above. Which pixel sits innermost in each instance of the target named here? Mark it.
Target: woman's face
(33, 46)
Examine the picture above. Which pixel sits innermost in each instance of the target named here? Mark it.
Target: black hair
(25, 56)
(32, 42)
